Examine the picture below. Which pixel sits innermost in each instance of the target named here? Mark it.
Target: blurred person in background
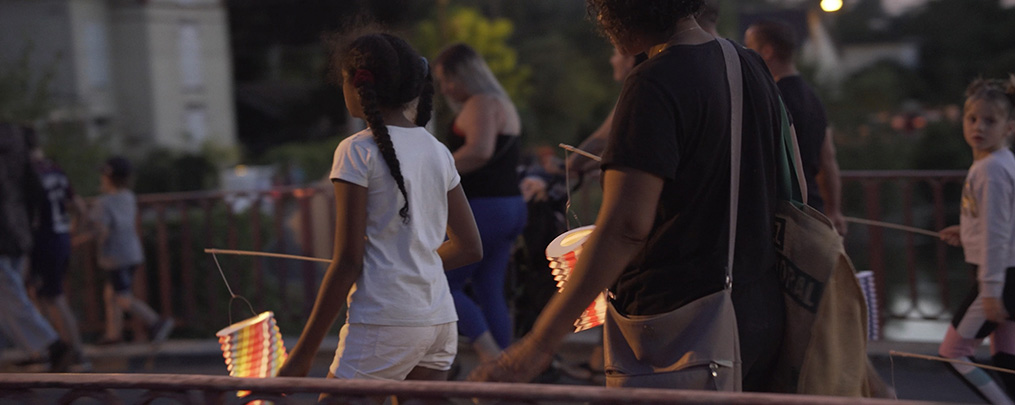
(776, 42)
(20, 321)
(58, 206)
(485, 142)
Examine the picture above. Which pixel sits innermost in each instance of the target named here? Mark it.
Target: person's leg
(114, 316)
(504, 220)
(964, 335)
(20, 320)
(471, 319)
(1002, 344)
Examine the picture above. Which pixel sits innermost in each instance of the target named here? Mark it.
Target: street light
(831, 6)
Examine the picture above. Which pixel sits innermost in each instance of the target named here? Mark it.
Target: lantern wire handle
(233, 296)
(567, 178)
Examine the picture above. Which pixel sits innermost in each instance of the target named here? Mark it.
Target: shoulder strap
(735, 80)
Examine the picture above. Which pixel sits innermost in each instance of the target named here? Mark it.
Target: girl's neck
(983, 153)
(396, 117)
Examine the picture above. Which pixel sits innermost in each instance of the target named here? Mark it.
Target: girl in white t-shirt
(986, 232)
(396, 198)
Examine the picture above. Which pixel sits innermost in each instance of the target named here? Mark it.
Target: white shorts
(391, 352)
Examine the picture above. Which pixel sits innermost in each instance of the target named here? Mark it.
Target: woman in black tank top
(484, 141)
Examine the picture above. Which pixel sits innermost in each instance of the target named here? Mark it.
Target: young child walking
(114, 216)
(397, 195)
(986, 232)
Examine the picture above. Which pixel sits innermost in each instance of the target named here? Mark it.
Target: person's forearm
(453, 256)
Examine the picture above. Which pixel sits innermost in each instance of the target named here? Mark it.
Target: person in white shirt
(986, 232)
(397, 196)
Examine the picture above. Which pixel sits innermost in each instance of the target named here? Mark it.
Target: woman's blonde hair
(463, 64)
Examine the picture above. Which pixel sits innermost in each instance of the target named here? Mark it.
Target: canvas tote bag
(824, 349)
(696, 346)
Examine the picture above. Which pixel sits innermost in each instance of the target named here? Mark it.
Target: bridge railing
(916, 275)
(215, 390)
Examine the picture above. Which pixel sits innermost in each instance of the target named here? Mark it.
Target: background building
(145, 73)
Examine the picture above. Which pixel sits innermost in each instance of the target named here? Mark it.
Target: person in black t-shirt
(662, 232)
(776, 43)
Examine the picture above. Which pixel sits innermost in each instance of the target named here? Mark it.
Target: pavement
(912, 378)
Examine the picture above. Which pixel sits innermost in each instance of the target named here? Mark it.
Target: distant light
(240, 170)
(831, 6)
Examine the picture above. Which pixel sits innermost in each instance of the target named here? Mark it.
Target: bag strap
(735, 79)
(791, 185)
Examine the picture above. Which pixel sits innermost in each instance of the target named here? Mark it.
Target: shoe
(160, 330)
(61, 355)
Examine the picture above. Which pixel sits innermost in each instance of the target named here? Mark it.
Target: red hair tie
(362, 76)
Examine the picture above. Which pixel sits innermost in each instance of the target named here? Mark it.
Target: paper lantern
(563, 253)
(253, 347)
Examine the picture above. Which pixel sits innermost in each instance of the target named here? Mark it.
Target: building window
(96, 44)
(195, 125)
(190, 56)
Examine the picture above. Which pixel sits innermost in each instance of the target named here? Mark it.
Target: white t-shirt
(987, 220)
(403, 281)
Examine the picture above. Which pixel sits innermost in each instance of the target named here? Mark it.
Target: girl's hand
(994, 310)
(521, 362)
(951, 235)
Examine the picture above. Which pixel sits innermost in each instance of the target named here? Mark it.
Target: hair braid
(380, 131)
(424, 108)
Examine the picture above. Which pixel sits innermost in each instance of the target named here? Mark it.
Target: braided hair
(998, 91)
(387, 73)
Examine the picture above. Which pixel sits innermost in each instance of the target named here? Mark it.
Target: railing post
(165, 280)
(186, 263)
(877, 262)
(307, 243)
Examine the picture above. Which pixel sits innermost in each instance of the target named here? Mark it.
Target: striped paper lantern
(563, 253)
(253, 347)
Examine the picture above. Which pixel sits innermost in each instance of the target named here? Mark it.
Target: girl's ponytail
(425, 106)
(372, 112)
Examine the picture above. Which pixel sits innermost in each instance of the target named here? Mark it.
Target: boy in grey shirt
(119, 251)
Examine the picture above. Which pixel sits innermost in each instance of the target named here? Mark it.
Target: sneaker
(61, 355)
(160, 330)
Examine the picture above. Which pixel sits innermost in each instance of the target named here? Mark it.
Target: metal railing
(214, 390)
(915, 274)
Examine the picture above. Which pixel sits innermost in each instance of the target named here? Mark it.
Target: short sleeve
(453, 178)
(352, 162)
(644, 132)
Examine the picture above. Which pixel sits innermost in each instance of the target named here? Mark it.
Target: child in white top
(986, 232)
(396, 197)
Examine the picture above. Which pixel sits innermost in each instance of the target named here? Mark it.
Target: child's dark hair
(388, 73)
(995, 90)
(118, 170)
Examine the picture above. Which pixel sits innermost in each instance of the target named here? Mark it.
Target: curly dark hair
(398, 75)
(994, 90)
(623, 20)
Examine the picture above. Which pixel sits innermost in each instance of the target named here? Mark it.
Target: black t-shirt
(673, 121)
(809, 118)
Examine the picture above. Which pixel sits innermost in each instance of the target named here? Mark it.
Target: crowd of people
(38, 211)
(426, 229)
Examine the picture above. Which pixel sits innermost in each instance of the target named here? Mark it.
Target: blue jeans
(500, 220)
(20, 321)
